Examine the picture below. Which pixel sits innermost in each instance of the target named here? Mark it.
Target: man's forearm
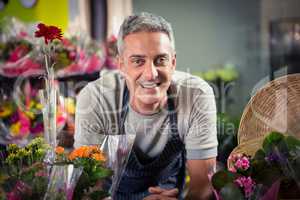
(200, 194)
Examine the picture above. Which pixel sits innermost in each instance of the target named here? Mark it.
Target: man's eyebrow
(162, 55)
(137, 56)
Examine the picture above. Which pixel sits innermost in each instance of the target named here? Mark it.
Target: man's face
(147, 61)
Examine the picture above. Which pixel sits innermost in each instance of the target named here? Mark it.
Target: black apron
(167, 170)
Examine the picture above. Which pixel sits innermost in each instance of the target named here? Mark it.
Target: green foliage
(18, 158)
(93, 171)
(26, 175)
(278, 159)
(225, 73)
(23, 168)
(231, 191)
(222, 178)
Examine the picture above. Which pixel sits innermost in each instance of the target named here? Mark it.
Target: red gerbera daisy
(48, 32)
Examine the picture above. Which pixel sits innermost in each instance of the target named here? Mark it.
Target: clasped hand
(158, 193)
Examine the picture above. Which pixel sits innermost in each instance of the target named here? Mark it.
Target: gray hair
(144, 22)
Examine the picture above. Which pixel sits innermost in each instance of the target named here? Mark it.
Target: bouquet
(73, 55)
(77, 56)
(25, 175)
(91, 170)
(17, 52)
(22, 120)
(274, 169)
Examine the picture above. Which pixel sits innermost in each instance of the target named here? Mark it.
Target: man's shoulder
(187, 81)
(105, 90)
(107, 82)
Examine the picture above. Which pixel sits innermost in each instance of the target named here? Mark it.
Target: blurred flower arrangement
(225, 73)
(72, 57)
(16, 50)
(19, 124)
(24, 175)
(111, 52)
(273, 170)
(19, 52)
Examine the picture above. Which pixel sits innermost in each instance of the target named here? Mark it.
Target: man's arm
(200, 187)
(89, 129)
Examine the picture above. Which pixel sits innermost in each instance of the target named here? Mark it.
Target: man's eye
(138, 62)
(161, 61)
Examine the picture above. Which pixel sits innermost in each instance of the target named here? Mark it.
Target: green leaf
(230, 191)
(260, 155)
(98, 195)
(221, 178)
(283, 147)
(102, 173)
(273, 138)
(267, 175)
(292, 142)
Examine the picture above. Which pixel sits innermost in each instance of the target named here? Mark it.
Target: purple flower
(247, 184)
(242, 163)
(19, 189)
(14, 118)
(272, 157)
(38, 128)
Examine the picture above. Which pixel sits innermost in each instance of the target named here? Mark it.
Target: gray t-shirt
(99, 106)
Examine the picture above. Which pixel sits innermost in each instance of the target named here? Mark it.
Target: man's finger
(158, 197)
(155, 190)
(165, 192)
(170, 193)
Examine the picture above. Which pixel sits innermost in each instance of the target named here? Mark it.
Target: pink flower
(247, 184)
(19, 189)
(232, 169)
(13, 196)
(41, 173)
(72, 55)
(18, 53)
(242, 163)
(22, 34)
(25, 123)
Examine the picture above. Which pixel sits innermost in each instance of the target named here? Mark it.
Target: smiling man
(172, 113)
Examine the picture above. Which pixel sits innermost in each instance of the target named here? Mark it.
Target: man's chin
(148, 100)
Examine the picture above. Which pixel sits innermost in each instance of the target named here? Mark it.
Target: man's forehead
(146, 38)
(147, 42)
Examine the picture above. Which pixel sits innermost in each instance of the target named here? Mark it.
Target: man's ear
(174, 61)
(121, 63)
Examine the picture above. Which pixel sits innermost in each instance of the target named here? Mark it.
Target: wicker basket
(275, 107)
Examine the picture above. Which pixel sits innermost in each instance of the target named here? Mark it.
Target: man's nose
(150, 72)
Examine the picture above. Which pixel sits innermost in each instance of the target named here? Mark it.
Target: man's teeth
(149, 85)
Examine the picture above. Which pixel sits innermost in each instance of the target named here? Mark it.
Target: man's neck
(148, 109)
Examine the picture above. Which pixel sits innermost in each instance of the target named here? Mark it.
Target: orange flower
(99, 157)
(59, 150)
(87, 152)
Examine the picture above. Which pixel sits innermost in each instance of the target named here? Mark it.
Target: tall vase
(48, 101)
